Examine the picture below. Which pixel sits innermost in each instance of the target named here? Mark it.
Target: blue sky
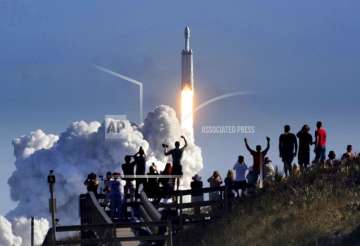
(300, 57)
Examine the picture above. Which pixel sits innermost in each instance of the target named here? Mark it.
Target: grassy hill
(321, 207)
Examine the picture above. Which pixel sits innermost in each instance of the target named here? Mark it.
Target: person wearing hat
(196, 194)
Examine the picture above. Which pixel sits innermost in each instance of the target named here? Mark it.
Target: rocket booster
(187, 78)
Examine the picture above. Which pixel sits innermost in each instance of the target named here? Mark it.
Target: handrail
(114, 225)
(149, 207)
(99, 209)
(191, 204)
(92, 213)
(198, 191)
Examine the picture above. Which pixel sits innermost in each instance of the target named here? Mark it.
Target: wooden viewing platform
(97, 228)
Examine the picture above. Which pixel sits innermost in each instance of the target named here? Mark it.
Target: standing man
(305, 140)
(176, 155)
(240, 169)
(128, 170)
(140, 162)
(320, 143)
(258, 159)
(287, 149)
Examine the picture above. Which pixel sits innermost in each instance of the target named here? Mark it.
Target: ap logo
(113, 126)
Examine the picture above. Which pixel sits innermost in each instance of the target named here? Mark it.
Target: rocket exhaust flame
(187, 101)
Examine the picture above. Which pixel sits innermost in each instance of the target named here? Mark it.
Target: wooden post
(170, 240)
(181, 213)
(261, 182)
(113, 234)
(32, 231)
(52, 204)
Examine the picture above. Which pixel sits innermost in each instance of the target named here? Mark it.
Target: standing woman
(168, 182)
(229, 183)
(305, 140)
(152, 185)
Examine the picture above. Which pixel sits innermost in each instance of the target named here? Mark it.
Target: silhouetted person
(152, 185)
(196, 194)
(229, 184)
(332, 161)
(240, 169)
(176, 155)
(320, 143)
(107, 181)
(348, 155)
(128, 170)
(107, 188)
(258, 157)
(215, 181)
(167, 183)
(140, 162)
(287, 149)
(91, 183)
(305, 140)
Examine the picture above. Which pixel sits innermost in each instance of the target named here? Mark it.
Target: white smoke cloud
(18, 231)
(27, 145)
(22, 228)
(79, 150)
(7, 237)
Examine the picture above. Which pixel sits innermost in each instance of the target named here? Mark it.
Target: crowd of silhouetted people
(242, 179)
(156, 184)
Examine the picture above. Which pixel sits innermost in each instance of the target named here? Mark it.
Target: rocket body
(187, 77)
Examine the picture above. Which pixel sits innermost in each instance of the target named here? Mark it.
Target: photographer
(92, 183)
(140, 163)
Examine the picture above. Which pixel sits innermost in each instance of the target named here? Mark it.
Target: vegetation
(320, 207)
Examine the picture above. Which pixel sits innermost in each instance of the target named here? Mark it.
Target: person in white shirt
(241, 170)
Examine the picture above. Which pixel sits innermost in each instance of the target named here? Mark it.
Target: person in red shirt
(320, 143)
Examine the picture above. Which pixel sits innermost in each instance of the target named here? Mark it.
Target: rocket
(187, 78)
